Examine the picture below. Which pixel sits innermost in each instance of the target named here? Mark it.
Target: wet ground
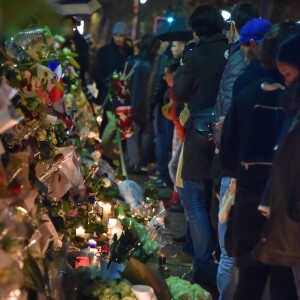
(176, 263)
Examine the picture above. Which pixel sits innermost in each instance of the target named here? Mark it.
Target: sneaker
(173, 201)
(136, 170)
(160, 183)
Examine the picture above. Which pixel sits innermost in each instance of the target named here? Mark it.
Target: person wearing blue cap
(241, 13)
(251, 36)
(250, 132)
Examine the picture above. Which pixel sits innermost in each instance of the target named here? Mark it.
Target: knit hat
(120, 28)
(255, 30)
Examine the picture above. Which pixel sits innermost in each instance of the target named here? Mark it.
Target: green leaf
(32, 269)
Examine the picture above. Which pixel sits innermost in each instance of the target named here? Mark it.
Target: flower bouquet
(120, 97)
(113, 290)
(184, 290)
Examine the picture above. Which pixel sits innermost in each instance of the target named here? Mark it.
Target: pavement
(176, 263)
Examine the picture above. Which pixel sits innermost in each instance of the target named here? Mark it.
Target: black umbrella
(178, 30)
(77, 7)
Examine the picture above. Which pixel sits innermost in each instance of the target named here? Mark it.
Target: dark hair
(173, 65)
(272, 40)
(242, 13)
(149, 42)
(206, 20)
(291, 98)
(289, 50)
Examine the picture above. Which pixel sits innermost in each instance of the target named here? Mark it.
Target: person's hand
(184, 115)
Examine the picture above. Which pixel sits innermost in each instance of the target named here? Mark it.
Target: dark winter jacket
(235, 66)
(82, 49)
(250, 133)
(279, 243)
(110, 58)
(139, 85)
(197, 83)
(232, 127)
(159, 84)
(252, 72)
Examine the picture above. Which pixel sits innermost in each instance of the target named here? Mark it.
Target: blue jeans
(194, 203)
(227, 276)
(188, 247)
(163, 132)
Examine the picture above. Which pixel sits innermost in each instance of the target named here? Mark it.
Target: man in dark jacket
(241, 13)
(250, 132)
(111, 58)
(196, 83)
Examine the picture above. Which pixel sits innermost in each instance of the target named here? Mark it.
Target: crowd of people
(219, 115)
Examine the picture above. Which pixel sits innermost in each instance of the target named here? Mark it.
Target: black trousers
(253, 279)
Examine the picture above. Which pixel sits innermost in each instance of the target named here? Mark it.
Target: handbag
(202, 122)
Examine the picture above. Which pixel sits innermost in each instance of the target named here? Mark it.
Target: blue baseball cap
(255, 30)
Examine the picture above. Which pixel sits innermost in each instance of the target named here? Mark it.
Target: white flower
(106, 182)
(96, 155)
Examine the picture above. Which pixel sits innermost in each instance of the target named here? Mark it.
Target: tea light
(121, 216)
(80, 231)
(112, 222)
(106, 211)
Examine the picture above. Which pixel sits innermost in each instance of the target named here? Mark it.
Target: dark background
(114, 10)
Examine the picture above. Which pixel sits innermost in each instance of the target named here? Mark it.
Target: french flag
(57, 92)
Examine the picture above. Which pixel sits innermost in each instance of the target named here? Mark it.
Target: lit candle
(100, 207)
(106, 211)
(121, 216)
(112, 222)
(80, 231)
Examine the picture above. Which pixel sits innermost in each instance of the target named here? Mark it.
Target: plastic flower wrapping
(114, 290)
(184, 290)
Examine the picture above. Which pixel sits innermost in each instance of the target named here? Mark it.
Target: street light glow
(143, 1)
(225, 14)
(170, 19)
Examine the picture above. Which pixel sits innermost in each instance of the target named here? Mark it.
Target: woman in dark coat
(280, 243)
(197, 82)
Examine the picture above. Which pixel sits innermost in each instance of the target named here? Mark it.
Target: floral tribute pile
(63, 215)
(68, 227)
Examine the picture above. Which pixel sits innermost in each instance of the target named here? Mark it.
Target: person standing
(196, 82)
(227, 275)
(110, 58)
(139, 145)
(279, 242)
(250, 132)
